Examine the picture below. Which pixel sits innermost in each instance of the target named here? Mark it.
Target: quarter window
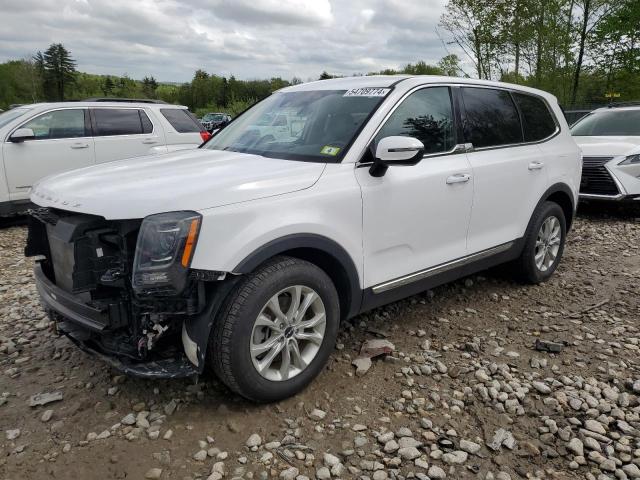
(117, 121)
(426, 115)
(147, 126)
(181, 120)
(537, 121)
(58, 124)
(491, 118)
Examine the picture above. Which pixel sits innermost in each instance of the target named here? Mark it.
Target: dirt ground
(475, 398)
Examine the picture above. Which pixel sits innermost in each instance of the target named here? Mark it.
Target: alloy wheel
(548, 243)
(288, 333)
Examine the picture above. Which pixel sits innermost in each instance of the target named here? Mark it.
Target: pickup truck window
(314, 125)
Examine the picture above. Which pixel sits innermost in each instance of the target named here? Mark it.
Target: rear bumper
(80, 322)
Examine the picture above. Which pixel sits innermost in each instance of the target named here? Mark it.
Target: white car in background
(46, 138)
(610, 142)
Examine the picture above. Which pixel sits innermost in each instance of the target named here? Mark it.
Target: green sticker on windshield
(329, 150)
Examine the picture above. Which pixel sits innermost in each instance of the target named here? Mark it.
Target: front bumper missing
(78, 322)
(156, 369)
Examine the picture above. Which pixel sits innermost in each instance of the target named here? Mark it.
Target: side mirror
(396, 150)
(22, 134)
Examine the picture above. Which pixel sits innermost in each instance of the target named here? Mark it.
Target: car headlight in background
(631, 160)
(163, 252)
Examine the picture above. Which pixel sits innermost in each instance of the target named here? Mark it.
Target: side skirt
(422, 280)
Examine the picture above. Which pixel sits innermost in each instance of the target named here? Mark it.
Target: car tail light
(205, 135)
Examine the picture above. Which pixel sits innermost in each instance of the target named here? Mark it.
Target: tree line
(583, 51)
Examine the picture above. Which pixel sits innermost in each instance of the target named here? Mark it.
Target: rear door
(124, 132)
(509, 174)
(181, 128)
(62, 142)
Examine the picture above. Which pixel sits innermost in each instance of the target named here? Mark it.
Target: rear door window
(491, 118)
(181, 120)
(68, 123)
(537, 121)
(117, 121)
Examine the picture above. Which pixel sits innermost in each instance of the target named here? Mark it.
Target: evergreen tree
(149, 87)
(59, 70)
(108, 86)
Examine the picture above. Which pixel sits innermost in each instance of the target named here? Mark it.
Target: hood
(186, 180)
(608, 146)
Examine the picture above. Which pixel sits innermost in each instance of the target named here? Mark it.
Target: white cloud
(170, 39)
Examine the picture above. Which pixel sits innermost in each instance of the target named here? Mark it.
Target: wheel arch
(561, 194)
(324, 252)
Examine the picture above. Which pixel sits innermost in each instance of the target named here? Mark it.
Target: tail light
(205, 135)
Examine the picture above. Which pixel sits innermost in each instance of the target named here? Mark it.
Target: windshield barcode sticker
(367, 92)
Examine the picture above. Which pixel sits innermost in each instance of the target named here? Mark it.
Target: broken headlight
(163, 253)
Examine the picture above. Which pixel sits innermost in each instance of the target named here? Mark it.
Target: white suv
(610, 142)
(245, 255)
(45, 138)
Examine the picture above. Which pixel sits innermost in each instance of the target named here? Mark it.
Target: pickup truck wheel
(276, 331)
(544, 244)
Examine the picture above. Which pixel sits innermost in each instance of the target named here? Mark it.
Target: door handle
(150, 142)
(536, 165)
(79, 145)
(458, 178)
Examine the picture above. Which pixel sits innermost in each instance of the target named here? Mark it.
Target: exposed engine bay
(85, 276)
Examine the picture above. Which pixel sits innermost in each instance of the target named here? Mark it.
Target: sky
(250, 39)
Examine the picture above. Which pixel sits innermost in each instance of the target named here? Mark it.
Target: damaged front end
(124, 290)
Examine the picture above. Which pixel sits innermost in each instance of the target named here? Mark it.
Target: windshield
(6, 117)
(307, 125)
(213, 117)
(608, 123)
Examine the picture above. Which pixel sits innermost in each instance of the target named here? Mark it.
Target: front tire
(276, 330)
(544, 244)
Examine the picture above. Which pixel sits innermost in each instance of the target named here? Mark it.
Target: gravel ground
(465, 394)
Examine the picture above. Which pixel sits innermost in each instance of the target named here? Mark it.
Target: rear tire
(276, 330)
(543, 244)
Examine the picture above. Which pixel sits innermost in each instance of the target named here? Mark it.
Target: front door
(62, 142)
(416, 217)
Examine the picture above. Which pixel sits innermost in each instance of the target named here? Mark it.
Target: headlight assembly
(163, 252)
(631, 160)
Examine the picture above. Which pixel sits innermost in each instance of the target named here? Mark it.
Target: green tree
(108, 86)
(450, 65)
(149, 87)
(59, 70)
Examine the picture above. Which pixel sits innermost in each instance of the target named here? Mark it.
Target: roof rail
(125, 100)
(624, 104)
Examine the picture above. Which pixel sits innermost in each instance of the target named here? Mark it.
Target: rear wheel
(276, 331)
(544, 244)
